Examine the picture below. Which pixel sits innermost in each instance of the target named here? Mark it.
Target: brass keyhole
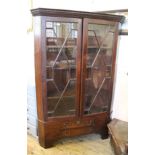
(78, 122)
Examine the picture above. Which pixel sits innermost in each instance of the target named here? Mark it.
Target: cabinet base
(51, 131)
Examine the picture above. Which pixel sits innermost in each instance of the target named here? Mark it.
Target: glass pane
(98, 69)
(61, 51)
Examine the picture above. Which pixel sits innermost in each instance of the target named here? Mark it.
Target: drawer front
(31, 100)
(32, 130)
(31, 91)
(32, 120)
(78, 124)
(74, 128)
(31, 111)
(77, 131)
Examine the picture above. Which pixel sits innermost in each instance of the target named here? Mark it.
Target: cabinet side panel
(114, 62)
(38, 67)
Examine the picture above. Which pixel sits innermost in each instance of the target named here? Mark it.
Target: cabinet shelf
(101, 109)
(95, 47)
(71, 96)
(71, 79)
(69, 110)
(49, 80)
(57, 97)
(54, 46)
(71, 67)
(72, 46)
(50, 112)
(59, 68)
(60, 113)
(67, 93)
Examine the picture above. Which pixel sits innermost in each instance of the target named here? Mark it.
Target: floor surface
(83, 145)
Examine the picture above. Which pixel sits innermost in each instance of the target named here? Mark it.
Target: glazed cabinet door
(99, 41)
(62, 56)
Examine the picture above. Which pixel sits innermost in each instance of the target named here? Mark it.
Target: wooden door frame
(40, 67)
(84, 56)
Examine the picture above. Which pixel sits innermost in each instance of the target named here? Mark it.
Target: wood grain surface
(91, 144)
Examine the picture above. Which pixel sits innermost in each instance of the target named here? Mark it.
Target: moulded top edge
(76, 14)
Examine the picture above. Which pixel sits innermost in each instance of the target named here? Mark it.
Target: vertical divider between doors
(78, 69)
(83, 64)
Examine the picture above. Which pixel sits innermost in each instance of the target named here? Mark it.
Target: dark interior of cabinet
(61, 50)
(61, 69)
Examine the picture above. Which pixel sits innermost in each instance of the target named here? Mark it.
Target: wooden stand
(118, 131)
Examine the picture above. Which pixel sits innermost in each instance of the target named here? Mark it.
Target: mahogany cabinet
(74, 68)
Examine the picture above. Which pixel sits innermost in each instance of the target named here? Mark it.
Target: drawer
(78, 127)
(31, 91)
(31, 101)
(32, 130)
(32, 120)
(77, 131)
(31, 111)
(79, 124)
